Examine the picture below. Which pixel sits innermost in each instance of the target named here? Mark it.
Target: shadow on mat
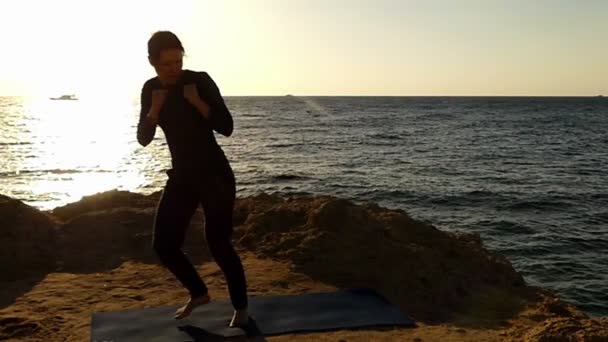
(202, 335)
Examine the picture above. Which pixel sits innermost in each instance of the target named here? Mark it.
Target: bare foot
(240, 319)
(185, 310)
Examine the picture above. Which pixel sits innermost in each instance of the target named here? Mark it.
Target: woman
(188, 106)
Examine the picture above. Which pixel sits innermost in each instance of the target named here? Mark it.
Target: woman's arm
(146, 128)
(219, 115)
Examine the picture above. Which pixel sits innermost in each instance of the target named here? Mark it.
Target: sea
(526, 173)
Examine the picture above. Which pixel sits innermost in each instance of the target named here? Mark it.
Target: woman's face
(169, 66)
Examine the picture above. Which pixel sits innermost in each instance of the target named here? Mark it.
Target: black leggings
(177, 205)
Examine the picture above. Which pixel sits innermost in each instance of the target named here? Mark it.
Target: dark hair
(162, 40)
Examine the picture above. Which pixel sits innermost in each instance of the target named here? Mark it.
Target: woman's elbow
(226, 130)
(223, 123)
(143, 140)
(143, 143)
(229, 127)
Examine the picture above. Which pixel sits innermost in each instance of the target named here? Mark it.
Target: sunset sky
(312, 47)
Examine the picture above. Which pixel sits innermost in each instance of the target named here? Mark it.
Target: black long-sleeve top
(194, 150)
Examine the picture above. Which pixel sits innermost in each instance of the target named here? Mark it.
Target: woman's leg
(175, 209)
(217, 198)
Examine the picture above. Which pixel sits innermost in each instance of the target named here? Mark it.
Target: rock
(351, 245)
(569, 329)
(102, 240)
(27, 240)
(105, 200)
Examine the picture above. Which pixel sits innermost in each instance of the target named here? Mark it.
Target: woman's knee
(164, 246)
(219, 242)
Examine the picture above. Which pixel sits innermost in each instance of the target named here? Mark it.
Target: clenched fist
(191, 94)
(158, 99)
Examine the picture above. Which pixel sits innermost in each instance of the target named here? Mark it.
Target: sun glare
(82, 147)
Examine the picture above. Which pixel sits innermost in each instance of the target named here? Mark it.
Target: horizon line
(350, 95)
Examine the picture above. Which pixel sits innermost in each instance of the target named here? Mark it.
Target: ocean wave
(506, 227)
(547, 205)
(585, 243)
(386, 136)
(280, 145)
(380, 193)
(471, 198)
(597, 218)
(528, 251)
(10, 143)
(289, 177)
(602, 197)
(51, 171)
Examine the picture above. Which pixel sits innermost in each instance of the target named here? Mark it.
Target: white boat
(71, 97)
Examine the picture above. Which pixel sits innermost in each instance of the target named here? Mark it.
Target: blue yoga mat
(270, 315)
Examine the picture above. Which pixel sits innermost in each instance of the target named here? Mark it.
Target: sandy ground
(59, 306)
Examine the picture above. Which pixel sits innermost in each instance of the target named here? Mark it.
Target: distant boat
(65, 97)
(600, 96)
